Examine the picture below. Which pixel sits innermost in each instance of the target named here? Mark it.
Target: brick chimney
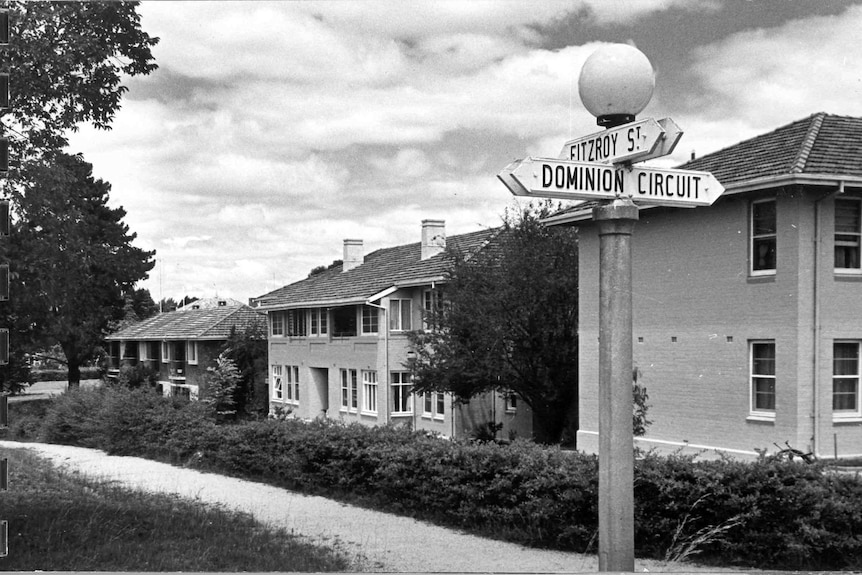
(433, 238)
(353, 255)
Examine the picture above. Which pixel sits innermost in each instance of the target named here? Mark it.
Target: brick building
(338, 343)
(181, 345)
(747, 314)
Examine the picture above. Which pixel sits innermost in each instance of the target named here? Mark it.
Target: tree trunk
(72, 363)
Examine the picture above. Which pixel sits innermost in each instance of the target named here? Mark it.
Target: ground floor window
(763, 378)
(277, 383)
(349, 390)
(511, 402)
(433, 404)
(291, 388)
(369, 391)
(845, 379)
(402, 383)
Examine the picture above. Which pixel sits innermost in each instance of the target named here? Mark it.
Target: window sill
(761, 278)
(760, 418)
(842, 275)
(401, 414)
(851, 419)
(369, 413)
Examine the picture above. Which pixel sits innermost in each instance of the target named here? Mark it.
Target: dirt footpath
(377, 541)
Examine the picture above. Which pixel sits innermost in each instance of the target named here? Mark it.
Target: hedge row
(765, 514)
(63, 374)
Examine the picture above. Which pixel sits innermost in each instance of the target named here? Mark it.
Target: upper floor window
(763, 378)
(763, 237)
(370, 317)
(848, 232)
(400, 314)
(511, 402)
(192, 352)
(296, 322)
(276, 325)
(319, 321)
(344, 321)
(166, 352)
(845, 379)
(431, 305)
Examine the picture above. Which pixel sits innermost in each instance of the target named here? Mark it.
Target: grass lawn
(59, 521)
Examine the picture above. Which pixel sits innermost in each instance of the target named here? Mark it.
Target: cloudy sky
(273, 131)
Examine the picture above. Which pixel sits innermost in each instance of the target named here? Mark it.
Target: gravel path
(376, 541)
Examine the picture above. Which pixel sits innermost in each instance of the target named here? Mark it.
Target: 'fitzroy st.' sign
(550, 178)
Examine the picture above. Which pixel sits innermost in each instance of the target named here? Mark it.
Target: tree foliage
(220, 386)
(68, 60)
(247, 348)
(509, 323)
(74, 261)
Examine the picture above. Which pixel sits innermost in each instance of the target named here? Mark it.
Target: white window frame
(349, 390)
(296, 323)
(276, 324)
(431, 300)
(319, 324)
(191, 352)
(142, 351)
(510, 401)
(858, 234)
(754, 412)
(855, 413)
(372, 312)
(752, 237)
(434, 405)
(401, 383)
(277, 383)
(397, 314)
(291, 384)
(369, 392)
(166, 351)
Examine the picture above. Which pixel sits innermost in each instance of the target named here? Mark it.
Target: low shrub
(63, 374)
(767, 514)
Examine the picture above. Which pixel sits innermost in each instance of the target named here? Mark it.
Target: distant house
(182, 344)
(338, 344)
(748, 313)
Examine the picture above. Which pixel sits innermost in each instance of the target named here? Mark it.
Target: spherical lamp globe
(616, 83)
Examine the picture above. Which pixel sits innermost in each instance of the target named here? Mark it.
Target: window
(349, 390)
(763, 378)
(277, 383)
(292, 380)
(192, 352)
(401, 385)
(369, 391)
(344, 321)
(144, 350)
(296, 323)
(370, 317)
(399, 314)
(848, 232)
(431, 305)
(763, 237)
(166, 352)
(511, 402)
(319, 323)
(845, 379)
(276, 323)
(434, 404)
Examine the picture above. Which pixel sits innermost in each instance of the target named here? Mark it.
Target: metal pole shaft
(616, 221)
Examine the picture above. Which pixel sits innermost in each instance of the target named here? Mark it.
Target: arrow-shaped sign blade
(627, 143)
(552, 178)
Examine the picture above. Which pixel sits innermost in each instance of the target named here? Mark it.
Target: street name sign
(561, 179)
(627, 143)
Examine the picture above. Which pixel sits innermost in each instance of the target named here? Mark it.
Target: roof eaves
(312, 303)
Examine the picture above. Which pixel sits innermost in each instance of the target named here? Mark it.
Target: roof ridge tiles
(798, 165)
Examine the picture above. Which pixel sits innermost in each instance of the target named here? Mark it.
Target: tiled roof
(208, 323)
(821, 144)
(381, 269)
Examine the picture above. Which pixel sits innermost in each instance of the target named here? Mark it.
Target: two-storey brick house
(747, 315)
(338, 344)
(181, 345)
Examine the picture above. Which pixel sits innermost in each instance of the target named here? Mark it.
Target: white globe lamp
(616, 84)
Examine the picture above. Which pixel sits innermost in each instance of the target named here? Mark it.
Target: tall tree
(73, 259)
(509, 323)
(68, 60)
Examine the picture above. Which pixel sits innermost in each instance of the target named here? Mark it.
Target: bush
(767, 514)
